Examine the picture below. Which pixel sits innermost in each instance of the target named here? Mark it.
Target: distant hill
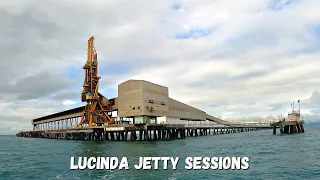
(313, 123)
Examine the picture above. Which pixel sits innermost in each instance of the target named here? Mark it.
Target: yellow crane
(97, 107)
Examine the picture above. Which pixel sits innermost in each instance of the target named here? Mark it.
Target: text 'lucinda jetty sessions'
(148, 163)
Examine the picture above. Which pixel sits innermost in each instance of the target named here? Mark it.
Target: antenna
(292, 106)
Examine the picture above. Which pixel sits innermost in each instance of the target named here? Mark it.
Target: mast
(293, 106)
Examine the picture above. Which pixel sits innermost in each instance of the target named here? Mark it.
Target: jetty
(141, 132)
(142, 111)
(291, 124)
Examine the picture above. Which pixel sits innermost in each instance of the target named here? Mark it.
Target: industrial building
(140, 102)
(147, 102)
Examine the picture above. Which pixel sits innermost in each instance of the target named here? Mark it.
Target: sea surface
(271, 156)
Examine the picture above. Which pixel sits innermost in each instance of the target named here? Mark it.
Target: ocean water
(271, 156)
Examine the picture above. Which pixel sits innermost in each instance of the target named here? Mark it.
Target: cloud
(315, 97)
(68, 102)
(65, 96)
(229, 58)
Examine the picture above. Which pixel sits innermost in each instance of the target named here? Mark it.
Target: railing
(213, 124)
(204, 125)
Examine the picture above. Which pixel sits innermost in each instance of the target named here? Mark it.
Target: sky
(232, 59)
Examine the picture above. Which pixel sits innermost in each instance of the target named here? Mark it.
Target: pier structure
(288, 127)
(141, 132)
(142, 109)
(292, 124)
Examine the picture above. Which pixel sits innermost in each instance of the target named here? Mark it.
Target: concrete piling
(289, 127)
(134, 133)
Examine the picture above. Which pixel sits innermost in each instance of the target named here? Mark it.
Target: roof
(63, 113)
(143, 81)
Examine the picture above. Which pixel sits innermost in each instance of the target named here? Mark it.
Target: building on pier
(291, 124)
(146, 102)
(138, 102)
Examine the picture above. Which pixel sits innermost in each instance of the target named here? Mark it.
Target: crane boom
(95, 113)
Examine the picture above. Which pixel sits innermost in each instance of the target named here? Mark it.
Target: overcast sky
(229, 58)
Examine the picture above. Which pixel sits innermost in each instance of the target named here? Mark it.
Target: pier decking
(288, 127)
(141, 132)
